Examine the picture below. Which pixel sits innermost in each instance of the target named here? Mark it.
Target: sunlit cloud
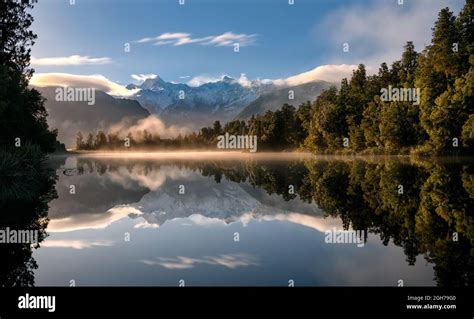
(224, 39)
(69, 60)
(332, 73)
(99, 82)
(152, 124)
(329, 73)
(231, 261)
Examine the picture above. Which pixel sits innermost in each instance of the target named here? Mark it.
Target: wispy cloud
(99, 82)
(224, 39)
(75, 244)
(231, 261)
(69, 60)
(143, 77)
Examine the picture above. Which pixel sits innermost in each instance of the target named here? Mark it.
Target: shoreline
(238, 155)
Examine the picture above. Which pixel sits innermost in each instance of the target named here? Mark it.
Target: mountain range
(178, 104)
(223, 100)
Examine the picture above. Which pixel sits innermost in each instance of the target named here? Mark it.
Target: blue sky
(278, 40)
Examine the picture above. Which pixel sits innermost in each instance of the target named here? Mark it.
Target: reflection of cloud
(151, 179)
(70, 60)
(320, 224)
(91, 221)
(231, 261)
(145, 224)
(98, 82)
(224, 39)
(317, 223)
(75, 244)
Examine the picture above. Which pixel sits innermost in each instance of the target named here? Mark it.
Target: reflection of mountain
(72, 117)
(153, 193)
(226, 201)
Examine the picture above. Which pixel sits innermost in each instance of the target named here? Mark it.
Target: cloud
(244, 81)
(70, 60)
(152, 179)
(99, 82)
(100, 220)
(329, 73)
(143, 77)
(153, 124)
(224, 39)
(377, 33)
(203, 79)
(75, 244)
(231, 261)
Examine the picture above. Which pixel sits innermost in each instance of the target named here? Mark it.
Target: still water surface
(256, 220)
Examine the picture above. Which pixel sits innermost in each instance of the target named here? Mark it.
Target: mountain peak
(227, 79)
(152, 83)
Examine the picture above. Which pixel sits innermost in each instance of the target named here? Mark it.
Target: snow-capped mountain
(180, 103)
(224, 100)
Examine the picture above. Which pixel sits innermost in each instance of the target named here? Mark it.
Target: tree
(79, 141)
(100, 140)
(22, 111)
(217, 128)
(408, 65)
(90, 142)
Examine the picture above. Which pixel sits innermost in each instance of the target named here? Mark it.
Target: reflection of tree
(434, 204)
(24, 197)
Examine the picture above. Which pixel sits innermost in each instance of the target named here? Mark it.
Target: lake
(228, 219)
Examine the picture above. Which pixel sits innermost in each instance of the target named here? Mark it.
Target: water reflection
(183, 217)
(24, 197)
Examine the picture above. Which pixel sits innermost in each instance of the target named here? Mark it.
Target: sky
(195, 43)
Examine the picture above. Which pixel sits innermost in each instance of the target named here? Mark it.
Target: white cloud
(224, 39)
(329, 73)
(231, 261)
(99, 82)
(143, 77)
(70, 60)
(378, 33)
(203, 79)
(244, 81)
